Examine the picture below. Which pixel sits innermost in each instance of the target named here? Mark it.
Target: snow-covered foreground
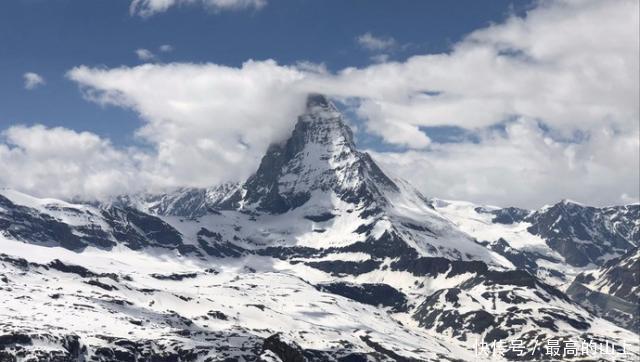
(169, 300)
(216, 310)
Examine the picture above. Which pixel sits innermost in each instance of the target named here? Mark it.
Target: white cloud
(145, 54)
(147, 8)
(61, 162)
(207, 123)
(380, 58)
(374, 43)
(32, 80)
(166, 48)
(202, 117)
(523, 166)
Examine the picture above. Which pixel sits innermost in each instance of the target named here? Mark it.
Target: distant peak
(571, 202)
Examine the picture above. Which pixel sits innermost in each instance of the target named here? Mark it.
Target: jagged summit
(320, 155)
(322, 123)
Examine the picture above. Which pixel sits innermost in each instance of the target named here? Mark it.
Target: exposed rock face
(283, 349)
(373, 294)
(75, 227)
(462, 310)
(621, 277)
(25, 223)
(613, 291)
(138, 229)
(583, 234)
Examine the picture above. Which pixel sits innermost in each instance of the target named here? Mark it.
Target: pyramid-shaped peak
(322, 123)
(319, 156)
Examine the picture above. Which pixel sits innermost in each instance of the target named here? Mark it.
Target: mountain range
(318, 256)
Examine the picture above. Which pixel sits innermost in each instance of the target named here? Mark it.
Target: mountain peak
(321, 155)
(571, 202)
(323, 124)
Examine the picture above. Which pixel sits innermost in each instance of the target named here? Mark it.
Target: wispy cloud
(33, 80)
(380, 58)
(166, 48)
(146, 8)
(375, 43)
(145, 54)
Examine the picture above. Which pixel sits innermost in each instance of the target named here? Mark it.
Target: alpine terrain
(318, 256)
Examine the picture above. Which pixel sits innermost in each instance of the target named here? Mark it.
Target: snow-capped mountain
(317, 256)
(319, 157)
(612, 291)
(556, 242)
(583, 234)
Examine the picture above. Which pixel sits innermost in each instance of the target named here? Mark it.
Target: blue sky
(51, 37)
(512, 103)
